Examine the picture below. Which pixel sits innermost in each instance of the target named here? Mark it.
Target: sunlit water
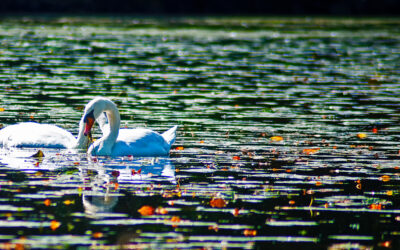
(289, 133)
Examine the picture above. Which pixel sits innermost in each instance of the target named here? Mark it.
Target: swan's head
(93, 110)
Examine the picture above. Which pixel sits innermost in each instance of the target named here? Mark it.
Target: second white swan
(122, 142)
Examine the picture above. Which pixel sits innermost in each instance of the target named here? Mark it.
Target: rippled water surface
(288, 137)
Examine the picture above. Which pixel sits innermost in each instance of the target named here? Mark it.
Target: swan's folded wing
(140, 142)
(30, 134)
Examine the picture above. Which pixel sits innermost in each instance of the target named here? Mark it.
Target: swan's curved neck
(82, 140)
(110, 137)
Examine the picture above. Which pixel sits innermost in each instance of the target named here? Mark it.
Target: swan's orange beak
(88, 126)
(89, 121)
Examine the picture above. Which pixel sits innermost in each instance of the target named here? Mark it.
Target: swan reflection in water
(101, 192)
(98, 177)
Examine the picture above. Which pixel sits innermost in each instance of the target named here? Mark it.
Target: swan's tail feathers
(170, 135)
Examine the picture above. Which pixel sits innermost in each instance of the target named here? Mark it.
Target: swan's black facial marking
(89, 121)
(88, 115)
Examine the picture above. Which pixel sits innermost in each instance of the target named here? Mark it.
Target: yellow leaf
(2, 109)
(310, 150)
(276, 138)
(362, 135)
(54, 225)
(68, 202)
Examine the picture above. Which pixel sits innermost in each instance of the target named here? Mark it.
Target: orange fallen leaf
(2, 109)
(201, 141)
(217, 202)
(20, 246)
(97, 235)
(310, 150)
(146, 210)
(387, 244)
(375, 206)
(236, 158)
(374, 130)
(236, 212)
(276, 138)
(213, 227)
(175, 220)
(54, 225)
(384, 178)
(161, 210)
(47, 202)
(179, 148)
(249, 232)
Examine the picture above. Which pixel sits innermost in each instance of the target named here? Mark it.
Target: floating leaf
(161, 210)
(146, 210)
(310, 150)
(236, 212)
(2, 109)
(47, 202)
(54, 225)
(236, 158)
(68, 202)
(179, 148)
(175, 220)
(374, 130)
(249, 232)
(97, 235)
(375, 206)
(213, 227)
(217, 202)
(385, 178)
(276, 138)
(362, 135)
(38, 154)
(387, 244)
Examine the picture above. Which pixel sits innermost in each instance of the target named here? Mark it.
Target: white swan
(120, 142)
(32, 134)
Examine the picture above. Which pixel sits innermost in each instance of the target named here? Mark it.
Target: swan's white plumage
(31, 134)
(121, 142)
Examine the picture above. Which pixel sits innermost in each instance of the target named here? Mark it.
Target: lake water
(288, 132)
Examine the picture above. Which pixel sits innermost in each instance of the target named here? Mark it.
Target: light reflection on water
(316, 83)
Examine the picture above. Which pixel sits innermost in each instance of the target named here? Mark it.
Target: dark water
(289, 133)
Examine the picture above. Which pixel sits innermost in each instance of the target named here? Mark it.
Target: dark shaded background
(200, 7)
